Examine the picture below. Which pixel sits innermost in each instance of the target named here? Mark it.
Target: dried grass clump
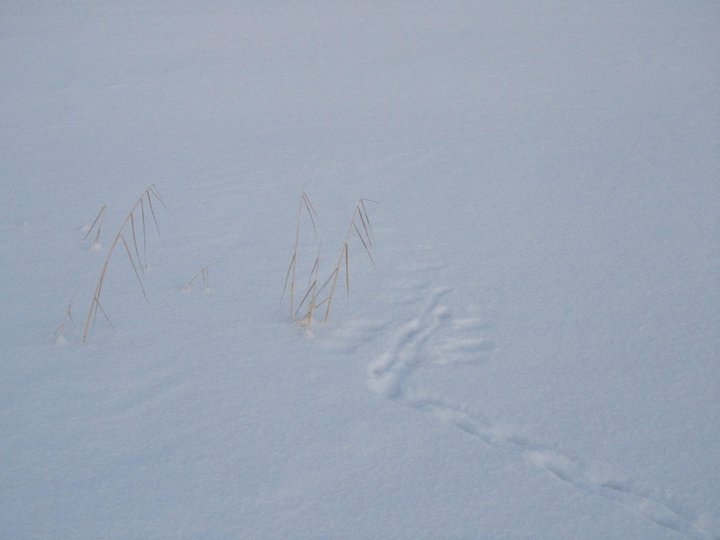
(135, 220)
(318, 296)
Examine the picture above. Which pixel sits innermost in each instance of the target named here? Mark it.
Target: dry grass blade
(309, 317)
(307, 294)
(95, 303)
(97, 221)
(310, 210)
(99, 306)
(347, 270)
(365, 212)
(365, 226)
(68, 310)
(312, 283)
(205, 273)
(154, 191)
(60, 330)
(291, 267)
(314, 269)
(134, 239)
(68, 314)
(152, 211)
(132, 262)
(328, 299)
(311, 310)
(332, 275)
(144, 236)
(367, 248)
(335, 274)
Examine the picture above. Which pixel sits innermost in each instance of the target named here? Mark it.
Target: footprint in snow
(434, 336)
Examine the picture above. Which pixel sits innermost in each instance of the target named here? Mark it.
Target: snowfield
(533, 355)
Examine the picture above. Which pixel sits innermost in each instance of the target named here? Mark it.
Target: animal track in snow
(434, 336)
(387, 374)
(353, 334)
(461, 343)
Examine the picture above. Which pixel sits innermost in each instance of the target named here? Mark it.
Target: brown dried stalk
(290, 276)
(312, 292)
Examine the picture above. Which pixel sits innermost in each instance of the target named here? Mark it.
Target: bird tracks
(434, 337)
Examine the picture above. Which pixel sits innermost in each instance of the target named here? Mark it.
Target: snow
(534, 354)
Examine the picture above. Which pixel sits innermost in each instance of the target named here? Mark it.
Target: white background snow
(535, 355)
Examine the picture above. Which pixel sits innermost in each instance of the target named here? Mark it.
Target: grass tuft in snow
(202, 274)
(360, 227)
(135, 220)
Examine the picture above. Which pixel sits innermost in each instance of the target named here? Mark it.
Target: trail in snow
(416, 343)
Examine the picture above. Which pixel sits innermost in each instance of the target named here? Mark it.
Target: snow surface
(535, 355)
